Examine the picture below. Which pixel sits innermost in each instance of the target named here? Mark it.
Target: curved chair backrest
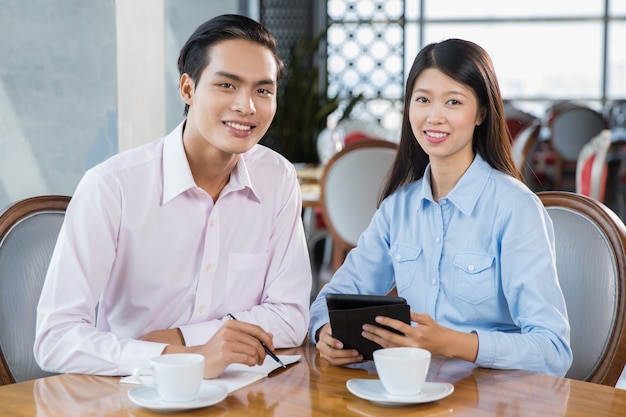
(615, 114)
(592, 166)
(517, 120)
(351, 184)
(28, 232)
(571, 128)
(591, 263)
(524, 143)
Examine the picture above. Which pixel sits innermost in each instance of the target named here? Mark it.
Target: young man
(162, 242)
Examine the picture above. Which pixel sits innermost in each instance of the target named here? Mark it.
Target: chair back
(517, 120)
(615, 114)
(524, 143)
(592, 166)
(28, 232)
(351, 184)
(571, 128)
(591, 264)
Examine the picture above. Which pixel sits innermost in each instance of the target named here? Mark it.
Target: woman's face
(443, 114)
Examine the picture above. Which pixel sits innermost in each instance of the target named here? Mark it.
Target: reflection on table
(312, 387)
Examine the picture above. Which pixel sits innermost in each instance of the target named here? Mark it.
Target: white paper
(236, 375)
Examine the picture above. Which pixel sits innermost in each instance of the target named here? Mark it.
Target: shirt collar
(466, 192)
(177, 176)
(240, 178)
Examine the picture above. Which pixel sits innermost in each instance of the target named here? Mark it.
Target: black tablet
(349, 312)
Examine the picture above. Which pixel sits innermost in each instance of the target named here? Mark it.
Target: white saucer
(146, 396)
(373, 390)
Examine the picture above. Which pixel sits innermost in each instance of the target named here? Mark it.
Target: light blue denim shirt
(480, 260)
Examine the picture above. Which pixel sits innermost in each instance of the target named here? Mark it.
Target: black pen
(267, 350)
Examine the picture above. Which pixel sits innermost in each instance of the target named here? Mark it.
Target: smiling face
(234, 101)
(443, 114)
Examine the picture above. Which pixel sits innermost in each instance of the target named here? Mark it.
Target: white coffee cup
(402, 370)
(176, 376)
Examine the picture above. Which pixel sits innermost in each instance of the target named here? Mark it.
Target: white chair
(524, 143)
(591, 263)
(571, 127)
(615, 114)
(28, 234)
(592, 166)
(351, 185)
(517, 120)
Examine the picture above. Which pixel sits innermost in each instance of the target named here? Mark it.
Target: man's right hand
(332, 349)
(234, 342)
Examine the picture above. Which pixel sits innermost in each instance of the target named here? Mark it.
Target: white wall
(140, 70)
(58, 110)
(82, 79)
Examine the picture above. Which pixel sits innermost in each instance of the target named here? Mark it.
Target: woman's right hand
(332, 349)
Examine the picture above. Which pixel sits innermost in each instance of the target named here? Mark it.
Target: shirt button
(434, 281)
(438, 239)
(201, 310)
(470, 267)
(211, 223)
(444, 201)
(208, 266)
(398, 257)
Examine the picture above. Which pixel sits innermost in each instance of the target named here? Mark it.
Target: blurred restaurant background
(81, 80)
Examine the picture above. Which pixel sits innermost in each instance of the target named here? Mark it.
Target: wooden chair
(517, 120)
(351, 184)
(524, 143)
(571, 126)
(614, 113)
(592, 166)
(28, 234)
(591, 263)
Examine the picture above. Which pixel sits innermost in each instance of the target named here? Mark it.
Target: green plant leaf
(303, 106)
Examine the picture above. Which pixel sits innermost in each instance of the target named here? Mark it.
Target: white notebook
(237, 376)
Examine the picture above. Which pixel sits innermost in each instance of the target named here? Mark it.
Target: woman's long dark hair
(470, 65)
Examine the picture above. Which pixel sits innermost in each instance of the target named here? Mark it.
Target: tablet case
(348, 313)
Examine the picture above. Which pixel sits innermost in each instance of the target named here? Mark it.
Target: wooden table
(309, 173)
(312, 388)
(309, 177)
(310, 195)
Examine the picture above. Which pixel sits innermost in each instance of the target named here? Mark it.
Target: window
(543, 51)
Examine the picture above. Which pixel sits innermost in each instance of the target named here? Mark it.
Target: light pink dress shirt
(150, 249)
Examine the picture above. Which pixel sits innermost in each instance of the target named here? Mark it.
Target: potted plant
(303, 106)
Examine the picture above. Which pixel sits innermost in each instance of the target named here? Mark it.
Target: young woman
(457, 233)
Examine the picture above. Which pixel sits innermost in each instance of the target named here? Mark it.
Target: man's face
(234, 101)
